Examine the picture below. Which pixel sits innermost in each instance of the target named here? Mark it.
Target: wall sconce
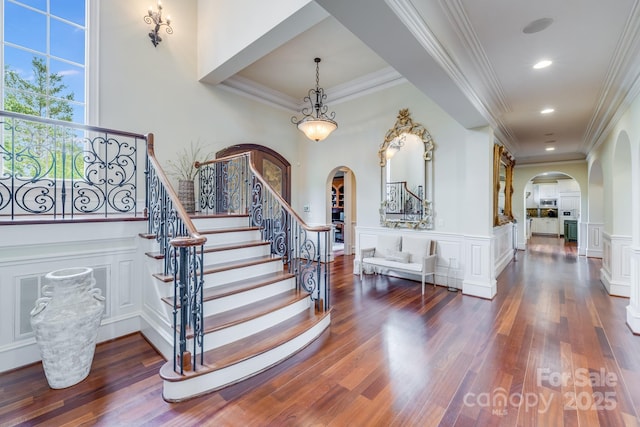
(155, 19)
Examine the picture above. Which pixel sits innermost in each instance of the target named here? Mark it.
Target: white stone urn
(66, 321)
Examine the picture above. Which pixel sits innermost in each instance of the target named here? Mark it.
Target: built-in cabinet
(337, 193)
(544, 226)
(547, 191)
(571, 230)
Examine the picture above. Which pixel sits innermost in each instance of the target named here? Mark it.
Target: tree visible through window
(44, 75)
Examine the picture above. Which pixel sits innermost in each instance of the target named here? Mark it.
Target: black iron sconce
(155, 18)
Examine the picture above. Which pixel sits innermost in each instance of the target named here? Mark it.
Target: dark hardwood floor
(552, 349)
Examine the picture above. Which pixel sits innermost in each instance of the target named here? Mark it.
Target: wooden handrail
(194, 238)
(265, 184)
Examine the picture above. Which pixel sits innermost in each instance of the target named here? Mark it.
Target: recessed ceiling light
(542, 64)
(547, 111)
(537, 25)
(550, 148)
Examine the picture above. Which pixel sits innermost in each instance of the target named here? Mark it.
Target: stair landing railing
(232, 185)
(54, 170)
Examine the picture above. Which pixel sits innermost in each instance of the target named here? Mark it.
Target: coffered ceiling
(474, 59)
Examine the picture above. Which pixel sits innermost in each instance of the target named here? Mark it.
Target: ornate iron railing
(402, 203)
(52, 169)
(182, 250)
(232, 185)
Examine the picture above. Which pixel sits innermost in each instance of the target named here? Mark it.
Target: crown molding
(250, 89)
(370, 83)
(364, 85)
(461, 24)
(410, 17)
(550, 162)
(621, 87)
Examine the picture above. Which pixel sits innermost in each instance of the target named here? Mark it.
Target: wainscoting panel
(464, 262)
(616, 265)
(111, 249)
(593, 239)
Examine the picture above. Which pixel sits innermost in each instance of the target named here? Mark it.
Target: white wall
(155, 89)
(363, 122)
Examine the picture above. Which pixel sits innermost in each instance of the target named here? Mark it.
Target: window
(44, 45)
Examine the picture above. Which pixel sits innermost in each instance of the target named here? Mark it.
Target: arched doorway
(270, 164)
(341, 209)
(553, 207)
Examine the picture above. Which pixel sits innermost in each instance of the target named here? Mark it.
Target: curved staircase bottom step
(212, 376)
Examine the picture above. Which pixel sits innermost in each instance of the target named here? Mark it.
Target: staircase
(254, 314)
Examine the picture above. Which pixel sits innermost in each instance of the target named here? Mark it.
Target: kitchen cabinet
(569, 201)
(544, 226)
(571, 230)
(547, 191)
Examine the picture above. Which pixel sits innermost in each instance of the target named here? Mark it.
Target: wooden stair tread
(225, 266)
(248, 347)
(240, 286)
(251, 311)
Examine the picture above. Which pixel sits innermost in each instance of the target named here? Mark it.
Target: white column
(633, 309)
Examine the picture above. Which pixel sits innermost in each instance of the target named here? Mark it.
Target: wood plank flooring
(552, 349)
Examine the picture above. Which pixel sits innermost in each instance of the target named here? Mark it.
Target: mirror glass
(503, 164)
(405, 160)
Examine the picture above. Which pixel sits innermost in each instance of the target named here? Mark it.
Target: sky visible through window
(54, 31)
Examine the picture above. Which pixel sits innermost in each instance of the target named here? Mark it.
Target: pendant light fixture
(316, 124)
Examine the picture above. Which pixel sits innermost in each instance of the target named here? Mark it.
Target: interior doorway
(341, 210)
(553, 207)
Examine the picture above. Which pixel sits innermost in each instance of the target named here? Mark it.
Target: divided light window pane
(71, 10)
(67, 41)
(55, 33)
(73, 79)
(36, 4)
(25, 27)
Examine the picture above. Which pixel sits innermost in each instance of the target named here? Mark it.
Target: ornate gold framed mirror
(406, 175)
(503, 164)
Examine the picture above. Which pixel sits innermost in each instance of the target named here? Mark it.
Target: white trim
(179, 390)
(25, 352)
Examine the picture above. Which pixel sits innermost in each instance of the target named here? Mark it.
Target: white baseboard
(26, 352)
(633, 320)
(614, 288)
(479, 290)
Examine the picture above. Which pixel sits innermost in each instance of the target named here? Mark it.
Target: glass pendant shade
(316, 124)
(317, 129)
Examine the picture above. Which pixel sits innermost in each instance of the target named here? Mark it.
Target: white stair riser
(242, 330)
(220, 222)
(232, 237)
(212, 258)
(233, 275)
(180, 390)
(230, 302)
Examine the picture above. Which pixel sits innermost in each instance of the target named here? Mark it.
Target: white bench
(408, 254)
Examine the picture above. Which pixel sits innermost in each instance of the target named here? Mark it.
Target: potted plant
(184, 170)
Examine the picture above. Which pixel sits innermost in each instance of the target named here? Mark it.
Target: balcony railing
(57, 170)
